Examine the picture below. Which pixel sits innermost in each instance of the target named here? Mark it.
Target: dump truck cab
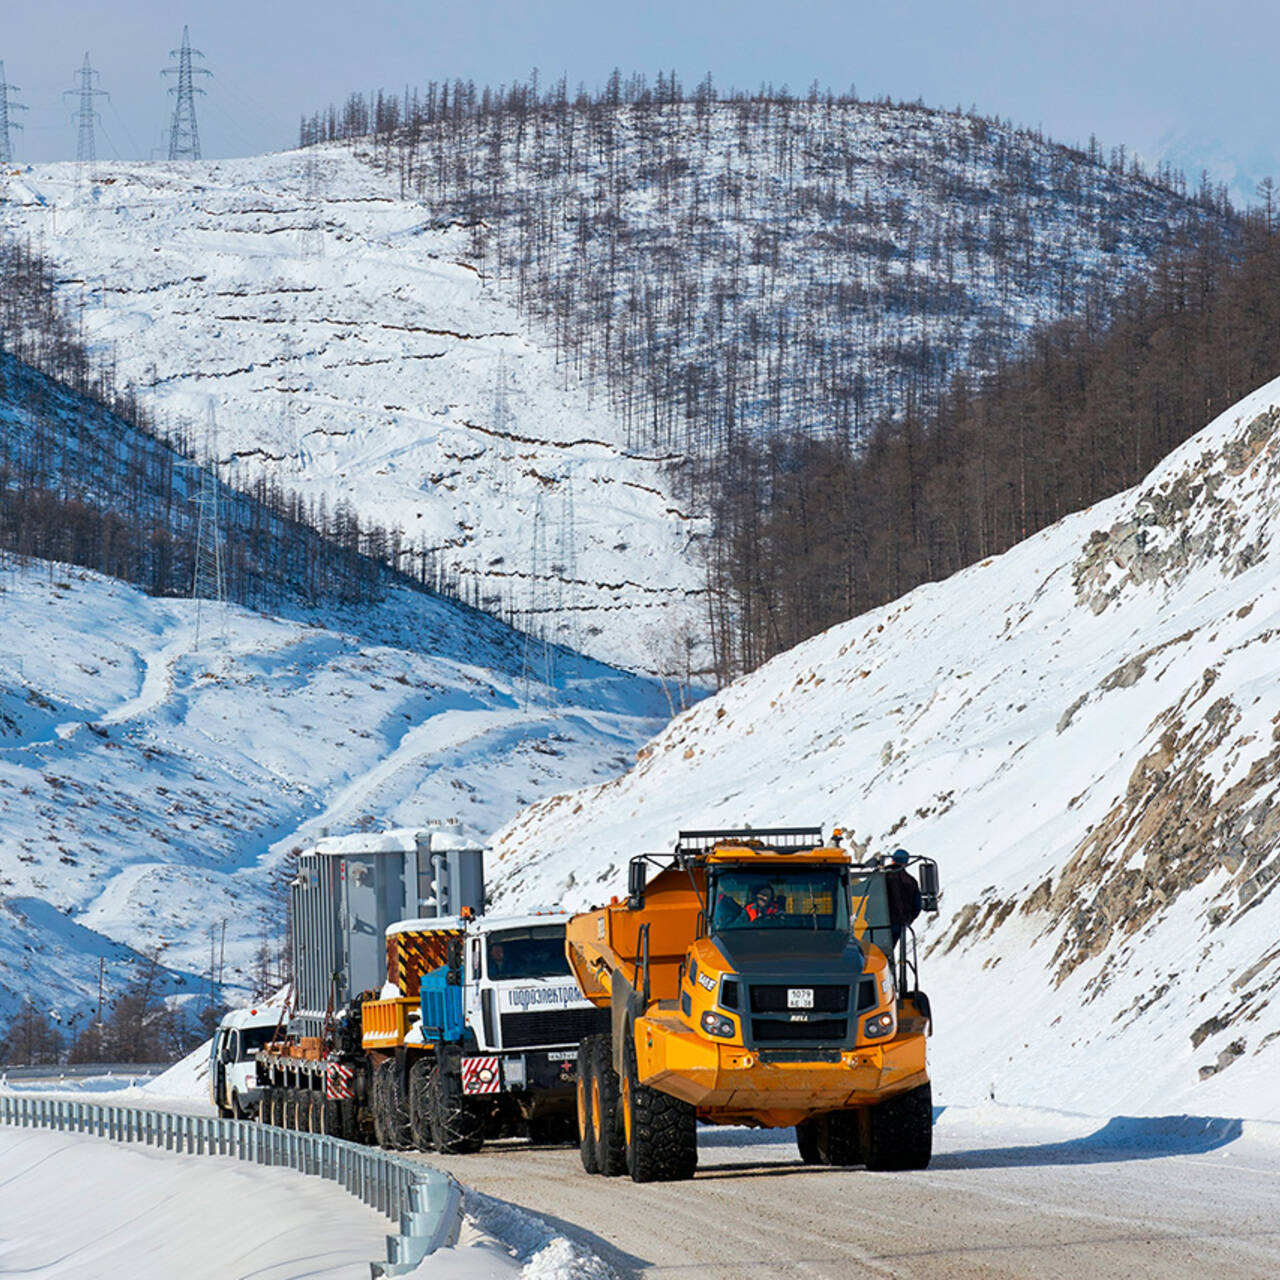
(752, 981)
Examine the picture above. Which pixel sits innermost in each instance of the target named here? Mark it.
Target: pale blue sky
(1179, 78)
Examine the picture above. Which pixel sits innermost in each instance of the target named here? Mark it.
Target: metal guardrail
(426, 1202)
(83, 1070)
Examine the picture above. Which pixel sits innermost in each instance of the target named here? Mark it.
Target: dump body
(767, 1012)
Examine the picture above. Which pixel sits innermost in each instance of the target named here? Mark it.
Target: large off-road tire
(378, 1106)
(266, 1100)
(839, 1140)
(606, 1119)
(420, 1103)
(898, 1134)
(456, 1129)
(586, 1139)
(807, 1141)
(396, 1099)
(660, 1133)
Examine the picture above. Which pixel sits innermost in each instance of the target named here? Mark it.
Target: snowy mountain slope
(149, 789)
(769, 265)
(354, 356)
(1084, 733)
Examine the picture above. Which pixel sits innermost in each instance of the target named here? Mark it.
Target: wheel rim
(583, 1117)
(597, 1127)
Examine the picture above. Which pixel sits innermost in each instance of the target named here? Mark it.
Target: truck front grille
(773, 999)
(552, 1027)
(832, 1031)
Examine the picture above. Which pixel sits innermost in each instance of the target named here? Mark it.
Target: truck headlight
(716, 1024)
(878, 1026)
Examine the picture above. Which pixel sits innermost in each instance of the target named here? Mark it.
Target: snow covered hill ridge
(1084, 732)
(353, 355)
(152, 788)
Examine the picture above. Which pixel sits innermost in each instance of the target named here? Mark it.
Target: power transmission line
(209, 580)
(184, 137)
(7, 105)
(567, 588)
(86, 147)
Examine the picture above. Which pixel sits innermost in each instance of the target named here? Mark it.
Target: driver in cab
(763, 905)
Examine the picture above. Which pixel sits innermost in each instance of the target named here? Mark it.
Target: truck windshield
(255, 1037)
(537, 952)
(779, 898)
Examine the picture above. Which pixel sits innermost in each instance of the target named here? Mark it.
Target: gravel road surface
(1009, 1194)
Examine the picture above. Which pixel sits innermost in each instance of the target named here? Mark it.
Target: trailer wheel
(420, 1103)
(661, 1131)
(315, 1110)
(586, 1141)
(898, 1134)
(606, 1117)
(455, 1127)
(349, 1121)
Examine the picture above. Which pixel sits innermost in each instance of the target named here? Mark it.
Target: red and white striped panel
(337, 1082)
(480, 1075)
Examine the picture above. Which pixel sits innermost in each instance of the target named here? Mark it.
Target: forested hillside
(809, 301)
(763, 263)
(87, 479)
(811, 532)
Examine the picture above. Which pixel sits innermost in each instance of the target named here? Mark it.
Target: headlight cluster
(716, 1024)
(878, 1026)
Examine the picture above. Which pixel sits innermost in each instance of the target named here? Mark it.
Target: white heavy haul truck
(476, 1033)
(418, 1022)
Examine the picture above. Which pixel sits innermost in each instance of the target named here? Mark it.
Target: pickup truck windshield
(814, 898)
(537, 952)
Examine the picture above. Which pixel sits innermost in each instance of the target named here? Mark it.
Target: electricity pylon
(7, 105)
(86, 148)
(184, 137)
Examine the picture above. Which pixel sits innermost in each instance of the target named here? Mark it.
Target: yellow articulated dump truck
(763, 978)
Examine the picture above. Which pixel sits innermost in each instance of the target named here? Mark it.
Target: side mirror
(453, 962)
(929, 887)
(635, 884)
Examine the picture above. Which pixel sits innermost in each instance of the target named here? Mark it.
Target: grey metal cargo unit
(349, 889)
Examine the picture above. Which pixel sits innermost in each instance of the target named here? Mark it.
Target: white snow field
(150, 790)
(353, 355)
(1083, 732)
